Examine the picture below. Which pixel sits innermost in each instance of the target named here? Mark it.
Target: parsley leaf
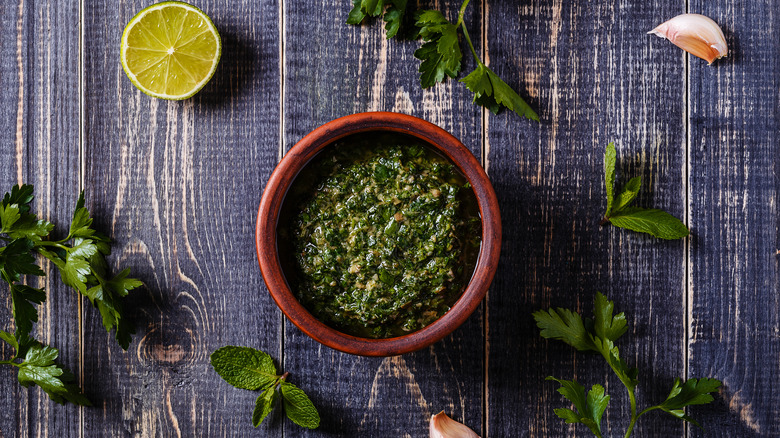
(39, 368)
(651, 221)
(441, 54)
(298, 407)
(590, 407)
(564, 325)
(692, 392)
(492, 92)
(23, 298)
(244, 367)
(247, 368)
(598, 334)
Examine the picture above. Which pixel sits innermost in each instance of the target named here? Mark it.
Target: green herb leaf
(298, 407)
(610, 160)
(692, 392)
(263, 406)
(564, 325)
(39, 368)
(652, 221)
(605, 325)
(21, 196)
(629, 193)
(492, 92)
(24, 312)
(394, 18)
(16, 259)
(441, 54)
(244, 367)
(356, 15)
(590, 407)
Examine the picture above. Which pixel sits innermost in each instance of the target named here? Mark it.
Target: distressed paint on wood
(39, 113)
(594, 77)
(177, 185)
(333, 69)
(734, 305)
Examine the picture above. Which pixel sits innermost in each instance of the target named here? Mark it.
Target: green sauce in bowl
(381, 235)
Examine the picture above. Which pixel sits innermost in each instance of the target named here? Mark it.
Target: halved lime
(170, 50)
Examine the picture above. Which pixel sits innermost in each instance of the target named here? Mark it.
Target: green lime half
(170, 50)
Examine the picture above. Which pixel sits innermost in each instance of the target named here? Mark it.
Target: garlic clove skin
(697, 34)
(443, 426)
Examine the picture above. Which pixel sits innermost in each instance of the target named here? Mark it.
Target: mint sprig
(80, 258)
(598, 335)
(247, 368)
(643, 220)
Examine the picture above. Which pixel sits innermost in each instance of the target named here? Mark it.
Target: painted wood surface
(177, 185)
(734, 178)
(595, 77)
(39, 131)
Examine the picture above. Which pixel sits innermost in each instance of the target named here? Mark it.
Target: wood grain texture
(177, 185)
(38, 107)
(331, 70)
(594, 77)
(734, 184)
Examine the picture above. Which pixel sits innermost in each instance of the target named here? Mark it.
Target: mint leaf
(24, 312)
(244, 367)
(590, 407)
(298, 407)
(441, 54)
(610, 160)
(652, 221)
(263, 406)
(38, 368)
(629, 193)
(564, 325)
(491, 92)
(693, 392)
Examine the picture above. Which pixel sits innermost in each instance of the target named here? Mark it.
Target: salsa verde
(384, 235)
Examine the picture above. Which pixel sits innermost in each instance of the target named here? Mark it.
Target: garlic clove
(443, 426)
(697, 34)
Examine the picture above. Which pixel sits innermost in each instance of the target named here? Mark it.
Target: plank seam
(687, 247)
(282, 142)
(485, 314)
(82, 167)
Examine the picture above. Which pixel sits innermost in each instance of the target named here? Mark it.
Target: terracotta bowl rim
(276, 191)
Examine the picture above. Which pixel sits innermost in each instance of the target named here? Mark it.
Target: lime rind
(154, 44)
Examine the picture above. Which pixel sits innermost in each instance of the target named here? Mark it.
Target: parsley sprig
(644, 220)
(247, 368)
(441, 53)
(598, 335)
(80, 258)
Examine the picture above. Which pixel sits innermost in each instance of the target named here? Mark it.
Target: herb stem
(284, 376)
(462, 24)
(634, 416)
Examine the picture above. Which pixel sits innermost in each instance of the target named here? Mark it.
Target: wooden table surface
(177, 185)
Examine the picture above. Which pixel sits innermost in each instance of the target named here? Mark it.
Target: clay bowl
(274, 197)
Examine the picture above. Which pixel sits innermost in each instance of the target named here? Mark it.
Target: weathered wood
(331, 70)
(177, 185)
(39, 130)
(594, 77)
(734, 301)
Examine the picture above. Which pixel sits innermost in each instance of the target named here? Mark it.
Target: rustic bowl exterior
(289, 168)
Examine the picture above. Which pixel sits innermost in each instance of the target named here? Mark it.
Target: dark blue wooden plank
(332, 70)
(39, 132)
(594, 77)
(734, 301)
(177, 185)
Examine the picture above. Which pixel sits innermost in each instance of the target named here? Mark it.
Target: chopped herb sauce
(383, 235)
